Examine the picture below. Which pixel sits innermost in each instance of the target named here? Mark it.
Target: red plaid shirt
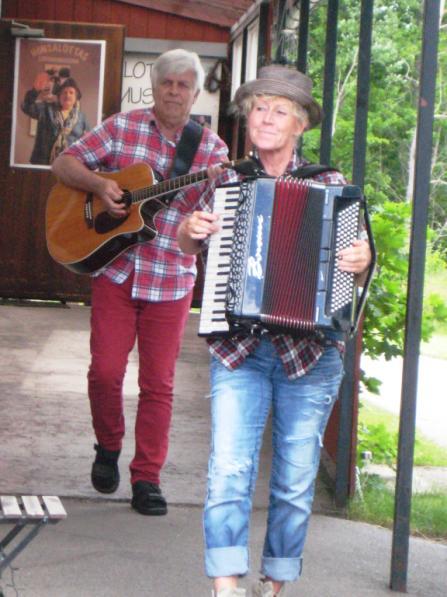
(298, 355)
(162, 271)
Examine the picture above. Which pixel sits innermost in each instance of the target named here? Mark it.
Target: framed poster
(58, 92)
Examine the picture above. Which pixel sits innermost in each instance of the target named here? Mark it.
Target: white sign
(137, 90)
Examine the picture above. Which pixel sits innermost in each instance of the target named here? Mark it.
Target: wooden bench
(26, 511)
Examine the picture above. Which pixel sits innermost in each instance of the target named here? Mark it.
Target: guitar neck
(176, 184)
(168, 186)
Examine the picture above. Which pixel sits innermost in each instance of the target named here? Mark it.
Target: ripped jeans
(240, 405)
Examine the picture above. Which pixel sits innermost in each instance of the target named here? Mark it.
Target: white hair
(176, 62)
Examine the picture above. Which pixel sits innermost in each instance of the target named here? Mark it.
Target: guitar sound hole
(105, 223)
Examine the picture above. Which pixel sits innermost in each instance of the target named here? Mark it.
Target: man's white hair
(176, 62)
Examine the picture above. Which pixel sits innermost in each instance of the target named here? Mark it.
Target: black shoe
(105, 473)
(147, 499)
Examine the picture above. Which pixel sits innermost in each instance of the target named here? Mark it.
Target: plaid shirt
(161, 271)
(298, 355)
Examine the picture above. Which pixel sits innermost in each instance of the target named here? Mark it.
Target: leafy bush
(392, 118)
(379, 441)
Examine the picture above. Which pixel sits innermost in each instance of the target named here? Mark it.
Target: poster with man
(58, 92)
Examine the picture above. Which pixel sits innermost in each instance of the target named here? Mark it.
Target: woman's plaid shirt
(161, 271)
(298, 355)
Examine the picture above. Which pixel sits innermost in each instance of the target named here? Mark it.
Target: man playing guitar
(145, 293)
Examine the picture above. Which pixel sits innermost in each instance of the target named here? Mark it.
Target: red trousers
(116, 322)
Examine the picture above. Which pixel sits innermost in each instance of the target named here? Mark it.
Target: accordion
(273, 264)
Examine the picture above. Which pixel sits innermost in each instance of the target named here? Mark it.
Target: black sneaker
(105, 473)
(147, 499)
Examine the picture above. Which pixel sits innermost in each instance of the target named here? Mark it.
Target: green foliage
(380, 441)
(376, 506)
(371, 384)
(377, 434)
(427, 453)
(392, 118)
(435, 312)
(429, 515)
(385, 314)
(374, 502)
(436, 285)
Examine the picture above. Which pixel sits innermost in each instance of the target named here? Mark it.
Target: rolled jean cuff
(226, 561)
(286, 569)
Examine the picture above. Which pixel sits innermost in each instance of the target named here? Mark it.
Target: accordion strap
(310, 170)
(305, 171)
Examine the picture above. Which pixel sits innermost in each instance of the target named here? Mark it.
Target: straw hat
(285, 82)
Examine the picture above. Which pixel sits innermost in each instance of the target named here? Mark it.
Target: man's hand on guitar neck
(215, 171)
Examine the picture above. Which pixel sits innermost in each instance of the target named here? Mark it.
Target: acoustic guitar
(83, 237)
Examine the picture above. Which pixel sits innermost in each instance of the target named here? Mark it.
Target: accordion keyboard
(212, 317)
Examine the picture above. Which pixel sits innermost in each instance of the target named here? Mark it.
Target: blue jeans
(240, 405)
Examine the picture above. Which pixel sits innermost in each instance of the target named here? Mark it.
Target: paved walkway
(106, 549)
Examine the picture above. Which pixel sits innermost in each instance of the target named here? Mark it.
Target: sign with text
(137, 89)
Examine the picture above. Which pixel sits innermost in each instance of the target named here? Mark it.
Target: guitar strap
(184, 155)
(186, 148)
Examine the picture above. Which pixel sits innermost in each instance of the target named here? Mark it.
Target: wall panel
(139, 22)
(27, 269)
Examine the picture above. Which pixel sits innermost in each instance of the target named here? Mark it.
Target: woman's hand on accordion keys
(195, 229)
(355, 259)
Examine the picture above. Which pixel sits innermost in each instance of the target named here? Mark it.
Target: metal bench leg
(6, 559)
(12, 533)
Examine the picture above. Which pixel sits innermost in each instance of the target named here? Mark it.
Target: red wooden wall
(138, 21)
(27, 271)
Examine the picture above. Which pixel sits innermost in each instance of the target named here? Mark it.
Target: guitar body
(83, 237)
